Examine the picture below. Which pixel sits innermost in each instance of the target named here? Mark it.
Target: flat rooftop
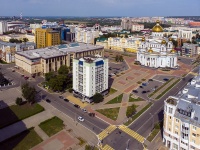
(58, 50)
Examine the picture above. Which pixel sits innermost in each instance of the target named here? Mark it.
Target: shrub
(18, 101)
(70, 90)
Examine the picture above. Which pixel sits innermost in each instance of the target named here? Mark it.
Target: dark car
(22, 75)
(48, 100)
(135, 91)
(77, 106)
(26, 78)
(141, 86)
(143, 92)
(66, 100)
(13, 70)
(33, 76)
(61, 97)
(144, 84)
(150, 79)
(166, 79)
(91, 114)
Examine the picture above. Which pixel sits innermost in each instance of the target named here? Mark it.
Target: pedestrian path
(106, 132)
(193, 73)
(132, 133)
(107, 147)
(77, 101)
(41, 133)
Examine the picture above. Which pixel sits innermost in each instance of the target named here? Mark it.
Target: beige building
(86, 36)
(6, 38)
(137, 27)
(44, 60)
(181, 128)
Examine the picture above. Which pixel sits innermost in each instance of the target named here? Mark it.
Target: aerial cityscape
(99, 75)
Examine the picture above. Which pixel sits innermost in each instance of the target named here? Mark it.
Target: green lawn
(138, 114)
(52, 126)
(15, 113)
(22, 141)
(131, 99)
(117, 99)
(111, 113)
(157, 128)
(112, 91)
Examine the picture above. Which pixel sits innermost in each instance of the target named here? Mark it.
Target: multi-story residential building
(46, 37)
(181, 128)
(185, 34)
(137, 27)
(90, 76)
(44, 60)
(8, 50)
(86, 36)
(189, 49)
(3, 27)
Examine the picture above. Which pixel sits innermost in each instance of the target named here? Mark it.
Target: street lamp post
(127, 146)
(152, 120)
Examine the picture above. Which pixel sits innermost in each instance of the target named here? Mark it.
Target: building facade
(90, 76)
(86, 36)
(3, 27)
(8, 50)
(137, 27)
(185, 34)
(181, 128)
(189, 49)
(46, 37)
(41, 61)
(157, 51)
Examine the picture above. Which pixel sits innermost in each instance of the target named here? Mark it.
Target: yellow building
(46, 37)
(181, 128)
(44, 60)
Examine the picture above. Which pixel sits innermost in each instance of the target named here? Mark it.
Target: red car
(25, 77)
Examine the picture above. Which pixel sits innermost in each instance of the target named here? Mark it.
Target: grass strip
(117, 99)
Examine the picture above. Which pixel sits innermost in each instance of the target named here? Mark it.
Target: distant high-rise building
(46, 37)
(3, 27)
(21, 16)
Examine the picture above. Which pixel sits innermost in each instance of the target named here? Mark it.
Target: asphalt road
(93, 123)
(144, 124)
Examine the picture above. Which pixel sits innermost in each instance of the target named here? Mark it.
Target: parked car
(61, 97)
(150, 79)
(26, 78)
(141, 86)
(48, 100)
(77, 106)
(13, 70)
(33, 76)
(66, 100)
(84, 110)
(91, 114)
(135, 91)
(80, 119)
(144, 84)
(143, 92)
(166, 79)
(22, 75)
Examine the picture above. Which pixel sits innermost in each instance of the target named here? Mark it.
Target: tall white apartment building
(86, 36)
(181, 128)
(137, 27)
(90, 76)
(185, 34)
(3, 27)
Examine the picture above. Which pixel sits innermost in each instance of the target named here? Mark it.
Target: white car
(80, 119)
(84, 110)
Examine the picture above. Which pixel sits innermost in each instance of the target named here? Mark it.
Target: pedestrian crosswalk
(193, 73)
(132, 133)
(106, 132)
(107, 147)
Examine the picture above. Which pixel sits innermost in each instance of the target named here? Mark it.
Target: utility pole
(127, 146)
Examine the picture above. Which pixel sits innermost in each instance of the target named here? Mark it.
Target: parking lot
(149, 86)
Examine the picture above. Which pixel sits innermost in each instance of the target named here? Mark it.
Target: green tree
(28, 92)
(57, 83)
(49, 76)
(18, 101)
(97, 98)
(117, 58)
(131, 110)
(121, 58)
(25, 40)
(63, 70)
(3, 80)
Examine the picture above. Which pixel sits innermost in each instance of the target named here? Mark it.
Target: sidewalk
(21, 126)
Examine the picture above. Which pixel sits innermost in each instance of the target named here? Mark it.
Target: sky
(129, 8)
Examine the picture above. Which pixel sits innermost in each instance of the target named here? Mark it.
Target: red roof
(194, 23)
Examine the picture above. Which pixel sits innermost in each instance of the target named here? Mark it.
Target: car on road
(143, 92)
(135, 91)
(84, 110)
(48, 100)
(77, 106)
(91, 114)
(141, 86)
(61, 97)
(66, 100)
(166, 79)
(80, 119)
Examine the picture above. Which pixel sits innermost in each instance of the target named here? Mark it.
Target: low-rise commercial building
(44, 60)
(90, 76)
(181, 128)
(189, 49)
(6, 38)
